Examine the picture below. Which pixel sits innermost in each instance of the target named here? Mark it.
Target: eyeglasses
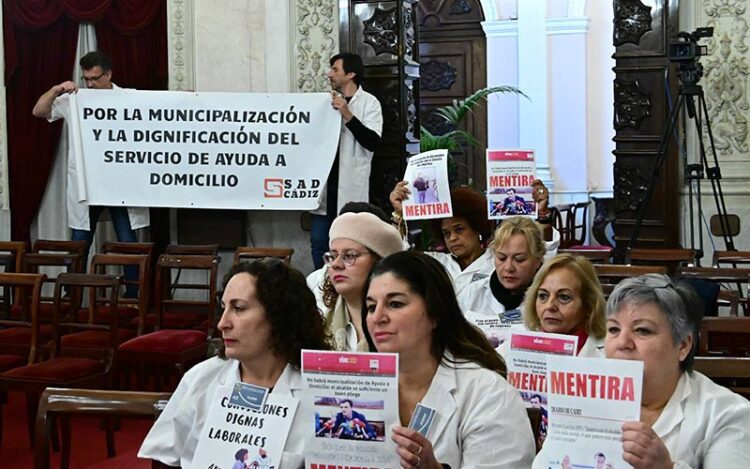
(348, 257)
(88, 79)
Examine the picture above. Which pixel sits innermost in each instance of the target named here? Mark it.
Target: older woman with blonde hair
(519, 250)
(566, 298)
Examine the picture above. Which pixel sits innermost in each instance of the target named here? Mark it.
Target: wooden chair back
(101, 262)
(724, 336)
(731, 259)
(193, 249)
(167, 285)
(728, 278)
(571, 221)
(99, 403)
(75, 249)
(11, 260)
(244, 253)
(103, 291)
(730, 372)
(28, 289)
(595, 255)
(672, 258)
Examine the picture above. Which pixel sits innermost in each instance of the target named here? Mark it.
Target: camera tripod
(690, 97)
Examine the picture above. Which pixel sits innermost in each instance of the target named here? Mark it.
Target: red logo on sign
(273, 188)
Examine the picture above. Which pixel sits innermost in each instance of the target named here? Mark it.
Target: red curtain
(40, 46)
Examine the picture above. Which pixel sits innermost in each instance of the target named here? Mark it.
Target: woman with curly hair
(269, 317)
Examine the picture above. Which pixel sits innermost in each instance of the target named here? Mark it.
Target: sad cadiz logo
(278, 188)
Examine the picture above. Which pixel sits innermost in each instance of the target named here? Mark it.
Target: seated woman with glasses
(446, 364)
(687, 421)
(269, 316)
(566, 298)
(357, 242)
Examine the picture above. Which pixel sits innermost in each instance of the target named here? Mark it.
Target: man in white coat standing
(82, 217)
(361, 128)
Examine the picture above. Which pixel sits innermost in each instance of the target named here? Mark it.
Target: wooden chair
(723, 336)
(193, 249)
(60, 367)
(672, 258)
(728, 278)
(731, 259)
(730, 372)
(11, 258)
(595, 254)
(570, 220)
(66, 403)
(182, 327)
(28, 288)
(243, 253)
(611, 274)
(131, 311)
(77, 250)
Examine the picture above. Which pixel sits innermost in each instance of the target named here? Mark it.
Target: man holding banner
(82, 218)
(362, 126)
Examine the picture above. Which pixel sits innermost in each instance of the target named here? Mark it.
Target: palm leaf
(455, 113)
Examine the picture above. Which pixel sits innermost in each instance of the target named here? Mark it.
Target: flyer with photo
(496, 326)
(509, 177)
(427, 174)
(355, 398)
(237, 433)
(526, 360)
(589, 400)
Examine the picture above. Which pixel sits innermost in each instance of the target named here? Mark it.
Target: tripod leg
(714, 173)
(658, 163)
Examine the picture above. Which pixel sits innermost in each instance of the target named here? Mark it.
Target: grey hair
(677, 301)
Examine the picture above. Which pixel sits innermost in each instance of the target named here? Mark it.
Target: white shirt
(705, 425)
(78, 212)
(481, 268)
(174, 437)
(480, 421)
(354, 159)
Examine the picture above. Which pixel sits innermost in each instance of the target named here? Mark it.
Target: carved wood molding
(726, 75)
(316, 40)
(632, 21)
(181, 47)
(632, 104)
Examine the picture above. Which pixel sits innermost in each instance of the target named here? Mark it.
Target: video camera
(686, 49)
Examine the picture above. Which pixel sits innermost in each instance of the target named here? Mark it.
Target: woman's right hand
(399, 193)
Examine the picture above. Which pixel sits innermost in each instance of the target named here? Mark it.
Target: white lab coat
(354, 159)
(480, 421)
(703, 425)
(78, 212)
(481, 268)
(174, 437)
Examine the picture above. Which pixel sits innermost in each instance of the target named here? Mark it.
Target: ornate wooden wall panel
(385, 35)
(641, 34)
(453, 55)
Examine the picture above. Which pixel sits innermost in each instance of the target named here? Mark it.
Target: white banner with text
(204, 150)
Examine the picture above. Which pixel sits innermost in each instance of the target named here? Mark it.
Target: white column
(532, 75)
(502, 69)
(181, 44)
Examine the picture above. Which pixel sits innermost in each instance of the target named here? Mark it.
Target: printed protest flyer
(427, 174)
(509, 177)
(235, 433)
(527, 367)
(355, 397)
(589, 400)
(496, 326)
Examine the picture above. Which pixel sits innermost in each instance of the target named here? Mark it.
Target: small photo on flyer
(349, 419)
